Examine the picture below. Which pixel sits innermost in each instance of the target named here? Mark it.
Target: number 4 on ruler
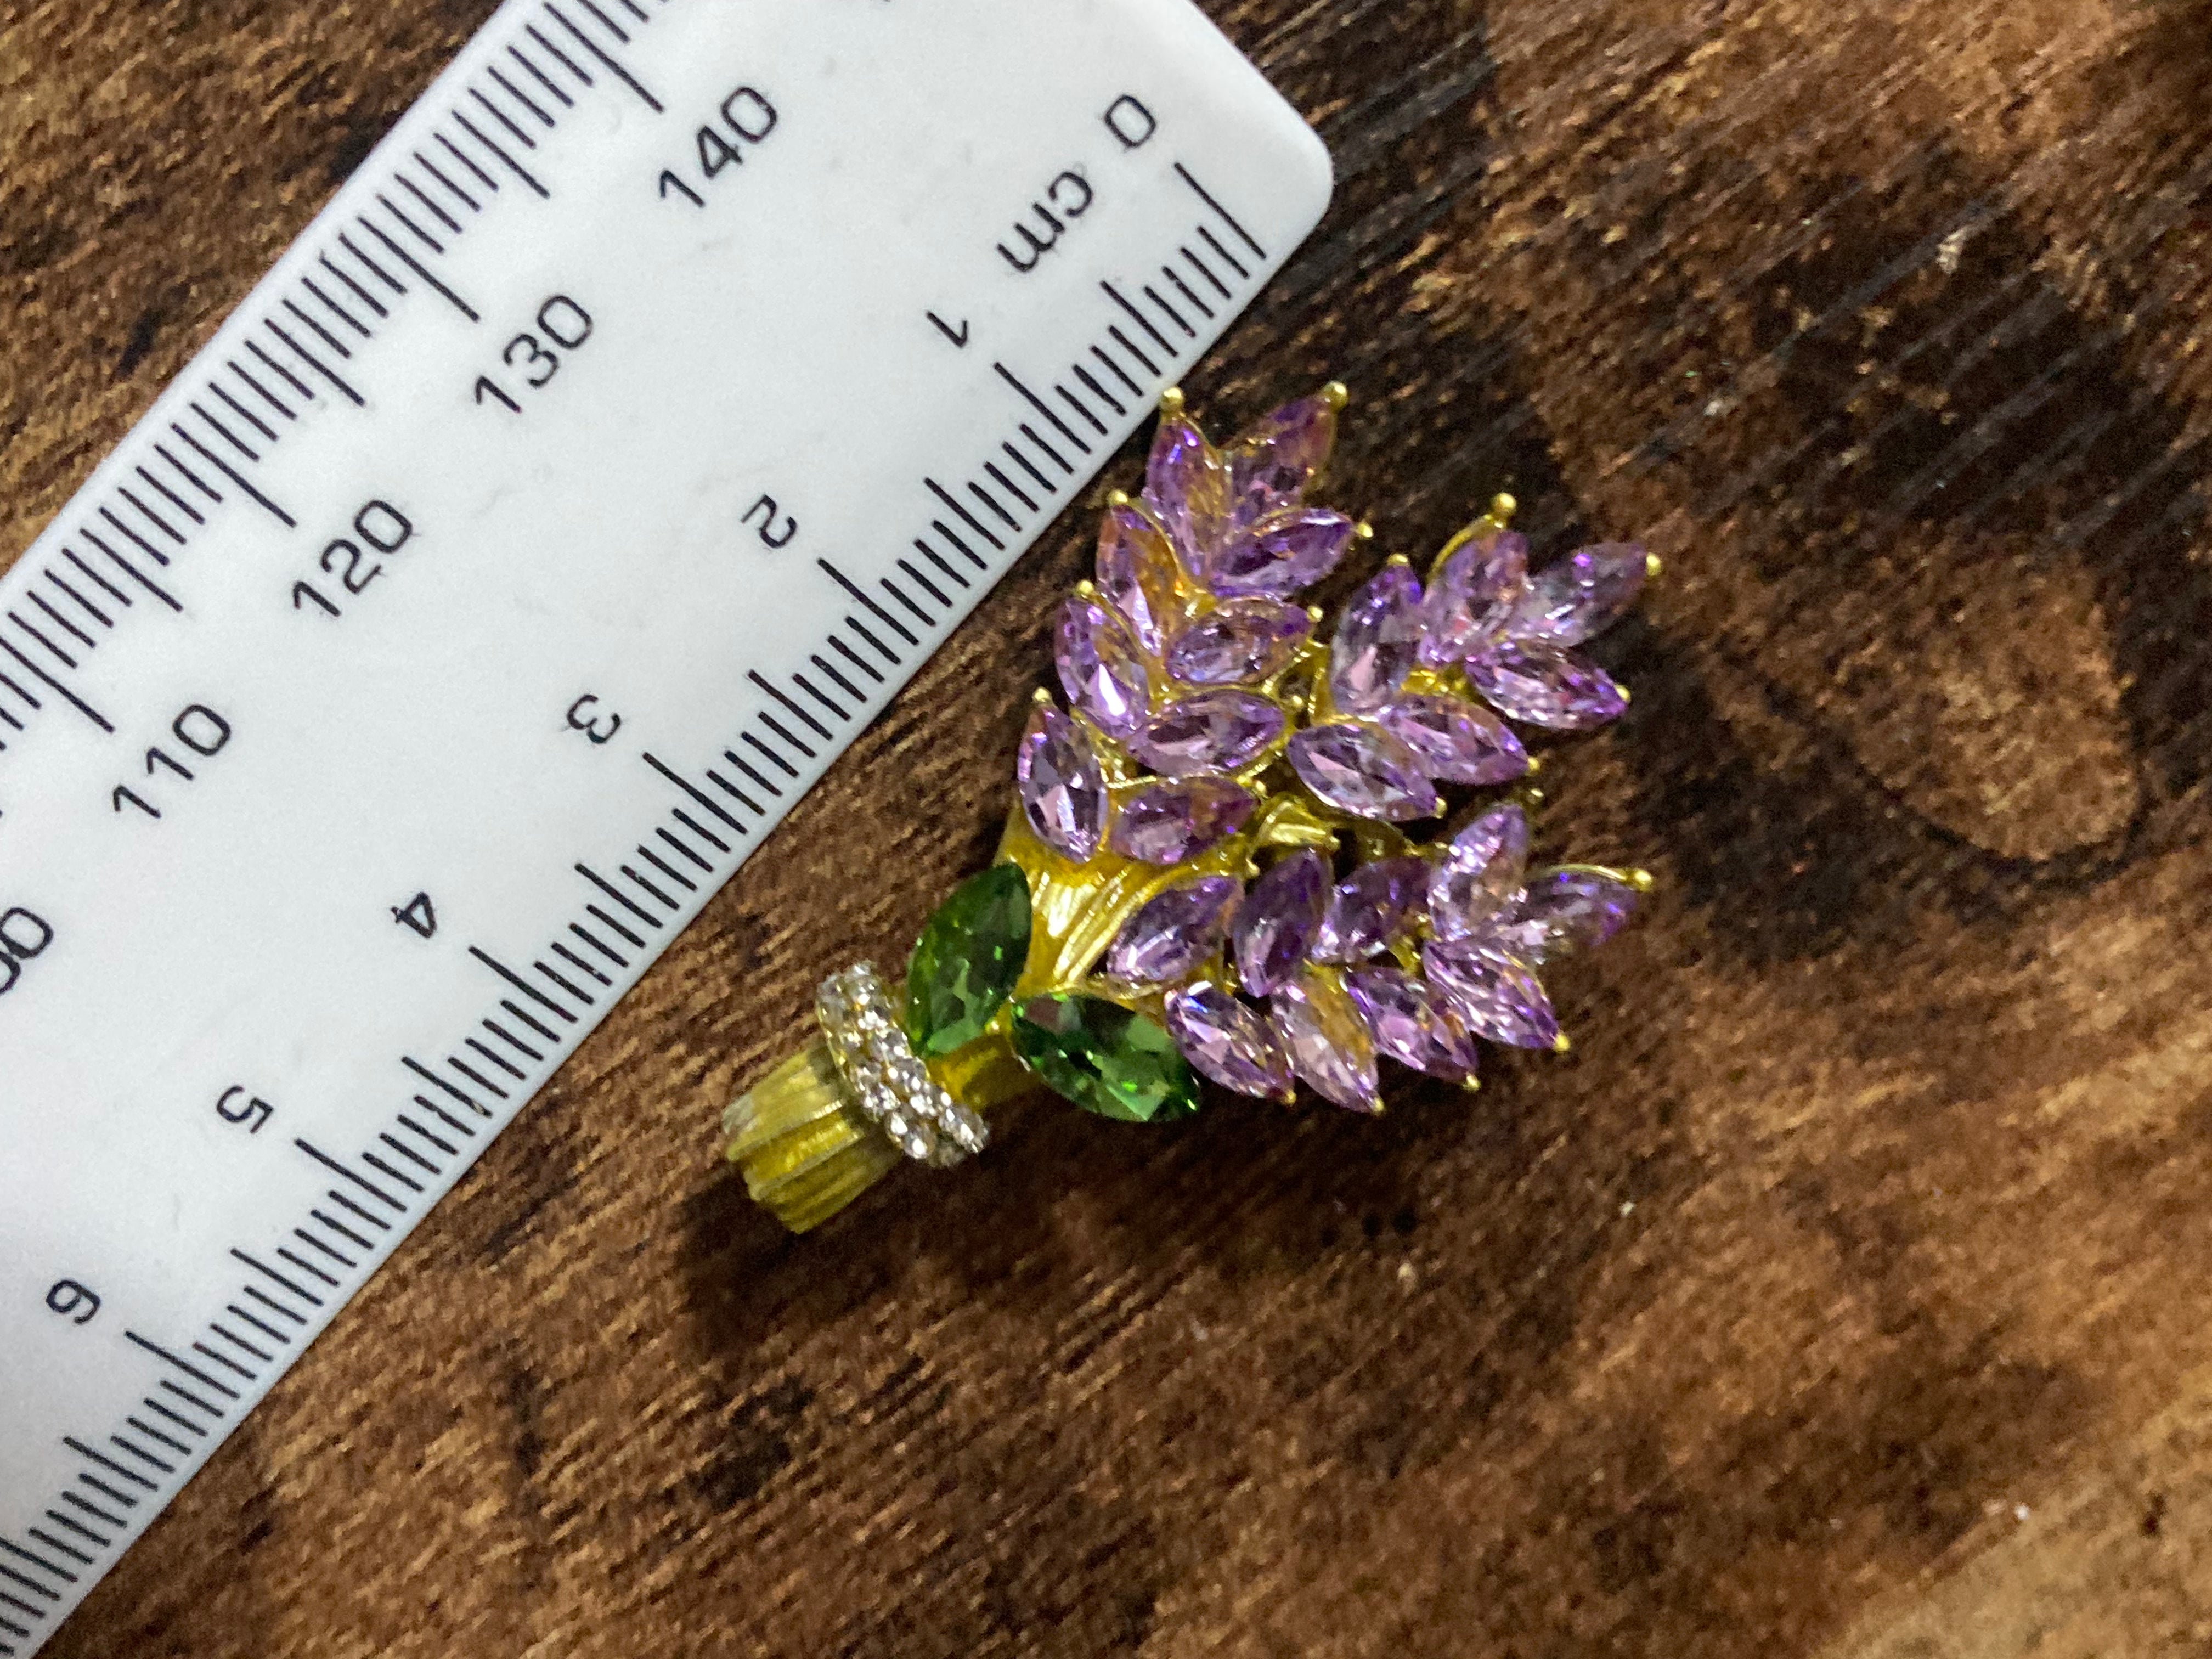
(419, 913)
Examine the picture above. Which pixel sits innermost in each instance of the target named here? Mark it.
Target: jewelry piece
(1204, 870)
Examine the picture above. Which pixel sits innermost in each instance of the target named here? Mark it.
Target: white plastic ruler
(666, 386)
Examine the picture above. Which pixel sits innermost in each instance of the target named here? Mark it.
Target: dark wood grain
(1845, 1294)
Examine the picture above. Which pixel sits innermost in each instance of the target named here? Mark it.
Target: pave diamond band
(889, 1082)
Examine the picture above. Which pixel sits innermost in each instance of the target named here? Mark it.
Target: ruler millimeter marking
(660, 393)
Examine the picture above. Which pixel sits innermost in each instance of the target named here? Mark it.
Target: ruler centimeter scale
(665, 387)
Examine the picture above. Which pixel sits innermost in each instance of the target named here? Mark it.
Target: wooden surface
(1845, 1295)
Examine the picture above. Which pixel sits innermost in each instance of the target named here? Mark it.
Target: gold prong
(1171, 402)
(1472, 1085)
(1398, 560)
(1039, 696)
(1653, 566)
(1315, 612)
(1534, 797)
(1365, 530)
(1336, 395)
(1503, 507)
(1642, 880)
(1560, 1045)
(1626, 695)
(1086, 589)
(1535, 765)
(1117, 498)
(1288, 1098)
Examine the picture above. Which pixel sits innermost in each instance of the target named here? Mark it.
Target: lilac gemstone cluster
(1208, 719)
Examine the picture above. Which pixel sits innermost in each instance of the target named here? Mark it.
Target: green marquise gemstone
(1105, 1058)
(967, 960)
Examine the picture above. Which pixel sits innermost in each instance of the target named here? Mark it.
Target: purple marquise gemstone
(1063, 793)
(1368, 909)
(1099, 668)
(1583, 594)
(1471, 599)
(1362, 770)
(1495, 996)
(1244, 641)
(1539, 685)
(1137, 574)
(1378, 640)
(1271, 465)
(1211, 732)
(1410, 1025)
(1278, 555)
(1170, 823)
(1171, 935)
(1575, 909)
(1480, 872)
(1229, 1040)
(1456, 741)
(1328, 1042)
(1275, 929)
(1187, 483)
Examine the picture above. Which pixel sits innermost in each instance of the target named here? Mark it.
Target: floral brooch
(1250, 846)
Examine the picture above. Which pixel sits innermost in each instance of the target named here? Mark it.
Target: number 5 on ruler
(255, 1111)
